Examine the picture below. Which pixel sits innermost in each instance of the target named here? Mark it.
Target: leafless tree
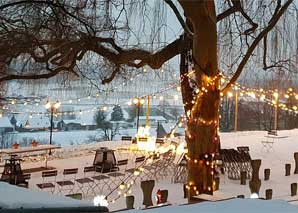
(41, 39)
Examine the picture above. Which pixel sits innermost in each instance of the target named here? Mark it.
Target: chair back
(49, 173)
(126, 138)
(89, 169)
(122, 162)
(70, 171)
(140, 159)
(26, 176)
(243, 148)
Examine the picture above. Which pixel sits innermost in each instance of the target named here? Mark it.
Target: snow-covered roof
(34, 121)
(83, 119)
(12, 197)
(157, 118)
(69, 121)
(231, 206)
(5, 123)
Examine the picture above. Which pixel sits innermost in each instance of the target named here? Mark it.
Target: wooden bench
(159, 141)
(217, 196)
(272, 132)
(126, 138)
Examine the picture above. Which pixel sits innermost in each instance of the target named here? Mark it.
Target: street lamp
(276, 103)
(52, 107)
(138, 102)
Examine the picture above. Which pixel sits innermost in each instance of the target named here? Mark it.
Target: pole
(51, 128)
(236, 112)
(276, 115)
(148, 112)
(138, 115)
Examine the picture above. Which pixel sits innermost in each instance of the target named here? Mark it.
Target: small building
(164, 130)
(5, 125)
(69, 125)
(33, 122)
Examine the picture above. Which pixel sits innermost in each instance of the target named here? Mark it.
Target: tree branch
(226, 13)
(33, 76)
(237, 7)
(179, 17)
(275, 18)
(50, 3)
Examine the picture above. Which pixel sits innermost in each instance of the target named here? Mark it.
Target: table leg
(46, 160)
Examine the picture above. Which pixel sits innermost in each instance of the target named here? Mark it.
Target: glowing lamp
(48, 105)
(100, 200)
(122, 186)
(254, 196)
(57, 104)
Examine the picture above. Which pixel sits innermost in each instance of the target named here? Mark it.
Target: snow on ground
(282, 153)
(230, 206)
(18, 197)
(70, 138)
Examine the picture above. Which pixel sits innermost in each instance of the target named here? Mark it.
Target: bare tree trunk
(202, 123)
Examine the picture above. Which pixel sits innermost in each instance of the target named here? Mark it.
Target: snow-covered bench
(217, 196)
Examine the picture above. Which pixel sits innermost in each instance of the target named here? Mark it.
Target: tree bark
(202, 115)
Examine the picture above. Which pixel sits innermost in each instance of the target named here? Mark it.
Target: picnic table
(38, 148)
(217, 196)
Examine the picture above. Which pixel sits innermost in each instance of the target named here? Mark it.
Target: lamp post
(138, 102)
(276, 103)
(236, 110)
(52, 107)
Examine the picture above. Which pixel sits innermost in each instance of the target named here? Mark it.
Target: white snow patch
(16, 197)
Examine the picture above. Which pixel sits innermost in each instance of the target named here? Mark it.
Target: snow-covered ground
(282, 153)
(70, 138)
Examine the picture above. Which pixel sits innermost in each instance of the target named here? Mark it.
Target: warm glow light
(252, 95)
(100, 200)
(180, 148)
(48, 105)
(230, 94)
(135, 100)
(275, 95)
(136, 173)
(57, 104)
(142, 101)
(150, 144)
(254, 196)
(122, 186)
